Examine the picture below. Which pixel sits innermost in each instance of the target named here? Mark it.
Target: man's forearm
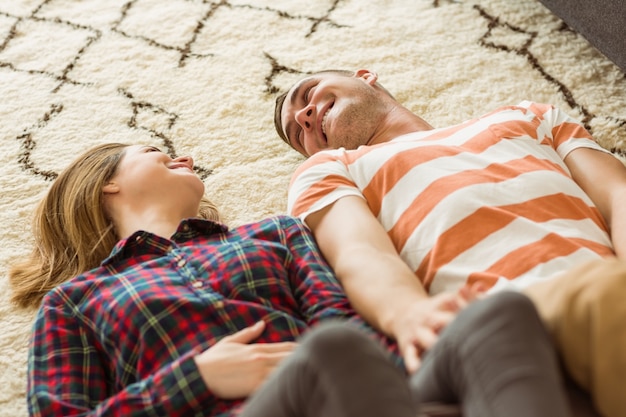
(603, 178)
(618, 223)
(379, 286)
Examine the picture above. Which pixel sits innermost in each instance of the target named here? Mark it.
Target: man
(521, 198)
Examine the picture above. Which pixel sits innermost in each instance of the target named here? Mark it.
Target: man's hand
(233, 368)
(418, 328)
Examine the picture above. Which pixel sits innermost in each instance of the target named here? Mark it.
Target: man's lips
(323, 120)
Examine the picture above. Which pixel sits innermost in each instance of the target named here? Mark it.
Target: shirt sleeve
(316, 290)
(68, 375)
(320, 181)
(561, 130)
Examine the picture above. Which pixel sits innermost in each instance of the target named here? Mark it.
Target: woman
(149, 306)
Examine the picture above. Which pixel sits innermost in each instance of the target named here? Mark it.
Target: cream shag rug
(200, 77)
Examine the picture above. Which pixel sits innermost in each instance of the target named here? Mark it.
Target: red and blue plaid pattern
(119, 340)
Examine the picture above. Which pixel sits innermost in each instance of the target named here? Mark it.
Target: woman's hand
(234, 368)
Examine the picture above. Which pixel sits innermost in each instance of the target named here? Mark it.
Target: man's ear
(367, 76)
(111, 188)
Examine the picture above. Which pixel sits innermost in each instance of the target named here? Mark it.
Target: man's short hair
(278, 124)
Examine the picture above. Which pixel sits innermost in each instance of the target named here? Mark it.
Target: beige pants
(585, 311)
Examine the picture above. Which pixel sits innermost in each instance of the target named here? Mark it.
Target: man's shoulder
(322, 157)
(529, 106)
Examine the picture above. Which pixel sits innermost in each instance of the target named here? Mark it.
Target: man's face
(331, 110)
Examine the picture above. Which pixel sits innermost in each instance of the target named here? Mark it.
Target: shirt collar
(142, 242)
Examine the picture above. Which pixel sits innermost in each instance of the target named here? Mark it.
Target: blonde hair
(71, 230)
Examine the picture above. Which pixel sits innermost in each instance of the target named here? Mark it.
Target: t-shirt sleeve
(318, 182)
(561, 130)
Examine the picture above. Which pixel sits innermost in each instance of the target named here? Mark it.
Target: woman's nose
(186, 159)
(304, 117)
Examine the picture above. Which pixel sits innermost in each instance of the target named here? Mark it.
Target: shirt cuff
(182, 389)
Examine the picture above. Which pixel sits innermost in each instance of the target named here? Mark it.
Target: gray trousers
(495, 358)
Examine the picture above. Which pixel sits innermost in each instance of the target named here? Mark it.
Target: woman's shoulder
(284, 220)
(274, 224)
(74, 291)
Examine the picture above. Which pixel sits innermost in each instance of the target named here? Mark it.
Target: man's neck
(399, 121)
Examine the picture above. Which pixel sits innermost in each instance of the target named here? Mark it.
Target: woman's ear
(111, 188)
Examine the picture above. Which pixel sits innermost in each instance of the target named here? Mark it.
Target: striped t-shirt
(487, 200)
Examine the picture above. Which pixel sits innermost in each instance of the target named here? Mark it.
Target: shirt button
(181, 263)
(197, 284)
(185, 228)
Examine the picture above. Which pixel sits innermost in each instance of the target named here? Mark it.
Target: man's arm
(603, 178)
(380, 286)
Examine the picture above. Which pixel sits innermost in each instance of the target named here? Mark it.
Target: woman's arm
(318, 294)
(68, 375)
(234, 367)
(603, 178)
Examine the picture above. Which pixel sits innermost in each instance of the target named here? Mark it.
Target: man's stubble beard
(358, 121)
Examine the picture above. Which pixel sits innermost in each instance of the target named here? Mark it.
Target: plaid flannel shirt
(120, 339)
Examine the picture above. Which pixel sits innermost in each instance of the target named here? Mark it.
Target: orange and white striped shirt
(487, 200)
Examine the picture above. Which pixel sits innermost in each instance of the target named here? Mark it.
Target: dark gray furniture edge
(601, 22)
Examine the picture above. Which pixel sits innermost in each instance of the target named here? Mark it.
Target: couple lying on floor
(465, 264)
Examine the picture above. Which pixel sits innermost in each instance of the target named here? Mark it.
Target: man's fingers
(411, 358)
(439, 319)
(426, 338)
(469, 293)
(448, 302)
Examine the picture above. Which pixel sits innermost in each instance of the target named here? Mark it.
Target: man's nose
(304, 117)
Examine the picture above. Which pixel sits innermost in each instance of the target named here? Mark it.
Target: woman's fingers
(247, 334)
